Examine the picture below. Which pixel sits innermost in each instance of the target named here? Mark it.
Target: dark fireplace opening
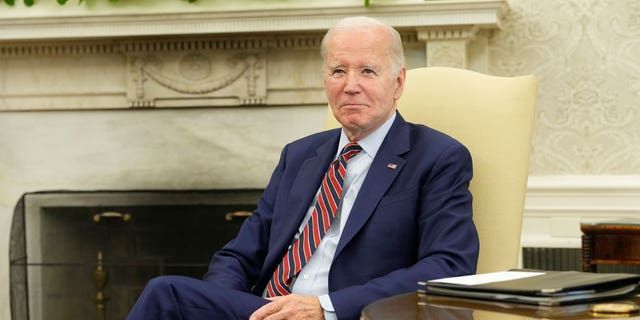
(88, 255)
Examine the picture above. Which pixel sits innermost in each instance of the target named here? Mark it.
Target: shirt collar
(371, 143)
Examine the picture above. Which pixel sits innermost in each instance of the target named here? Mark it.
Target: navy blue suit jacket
(411, 220)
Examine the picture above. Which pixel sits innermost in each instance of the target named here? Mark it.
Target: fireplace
(88, 255)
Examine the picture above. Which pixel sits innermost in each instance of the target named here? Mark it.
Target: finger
(264, 311)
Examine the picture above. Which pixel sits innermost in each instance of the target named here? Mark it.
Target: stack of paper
(546, 288)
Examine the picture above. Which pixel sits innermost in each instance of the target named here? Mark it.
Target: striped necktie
(323, 214)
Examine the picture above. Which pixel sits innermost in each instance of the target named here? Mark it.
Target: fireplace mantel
(209, 58)
(407, 14)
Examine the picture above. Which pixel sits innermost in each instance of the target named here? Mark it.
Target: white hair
(397, 54)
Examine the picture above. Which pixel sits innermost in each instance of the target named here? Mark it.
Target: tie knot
(350, 150)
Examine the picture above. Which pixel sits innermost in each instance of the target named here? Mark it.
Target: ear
(400, 83)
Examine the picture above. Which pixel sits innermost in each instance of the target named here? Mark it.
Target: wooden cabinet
(610, 243)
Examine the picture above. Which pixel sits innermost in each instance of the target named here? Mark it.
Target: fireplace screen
(88, 255)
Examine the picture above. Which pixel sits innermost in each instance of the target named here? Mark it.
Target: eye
(337, 71)
(368, 71)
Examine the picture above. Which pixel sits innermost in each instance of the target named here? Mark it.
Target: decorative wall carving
(183, 76)
(447, 46)
(189, 72)
(586, 54)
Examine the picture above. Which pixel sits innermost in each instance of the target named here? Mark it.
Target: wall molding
(485, 13)
(95, 47)
(556, 205)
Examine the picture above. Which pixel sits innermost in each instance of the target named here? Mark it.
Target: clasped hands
(290, 307)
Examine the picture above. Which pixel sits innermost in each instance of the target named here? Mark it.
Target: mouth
(353, 105)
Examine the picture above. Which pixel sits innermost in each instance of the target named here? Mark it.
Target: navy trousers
(183, 298)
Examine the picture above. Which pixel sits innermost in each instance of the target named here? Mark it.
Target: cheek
(333, 85)
(330, 89)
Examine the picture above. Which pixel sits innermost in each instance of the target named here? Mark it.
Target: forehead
(361, 44)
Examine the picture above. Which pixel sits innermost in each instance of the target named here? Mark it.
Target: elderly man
(350, 215)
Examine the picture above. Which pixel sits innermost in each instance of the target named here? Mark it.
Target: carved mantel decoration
(208, 59)
(199, 73)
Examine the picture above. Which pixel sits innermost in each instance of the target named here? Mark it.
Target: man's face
(360, 83)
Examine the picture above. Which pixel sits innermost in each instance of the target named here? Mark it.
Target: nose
(352, 85)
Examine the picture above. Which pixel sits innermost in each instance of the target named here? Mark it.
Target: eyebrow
(364, 66)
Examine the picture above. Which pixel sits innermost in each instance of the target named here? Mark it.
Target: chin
(353, 126)
(350, 121)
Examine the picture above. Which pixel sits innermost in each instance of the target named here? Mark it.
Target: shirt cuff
(327, 307)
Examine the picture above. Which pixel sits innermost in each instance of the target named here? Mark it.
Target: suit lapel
(302, 193)
(385, 167)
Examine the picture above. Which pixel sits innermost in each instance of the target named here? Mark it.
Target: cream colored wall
(587, 55)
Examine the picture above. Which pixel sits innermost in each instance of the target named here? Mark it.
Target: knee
(157, 299)
(163, 282)
(162, 285)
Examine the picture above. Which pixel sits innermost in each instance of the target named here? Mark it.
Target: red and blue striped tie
(323, 214)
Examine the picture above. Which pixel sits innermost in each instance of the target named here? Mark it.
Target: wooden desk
(412, 306)
(610, 243)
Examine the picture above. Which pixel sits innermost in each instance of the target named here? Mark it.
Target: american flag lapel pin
(392, 166)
